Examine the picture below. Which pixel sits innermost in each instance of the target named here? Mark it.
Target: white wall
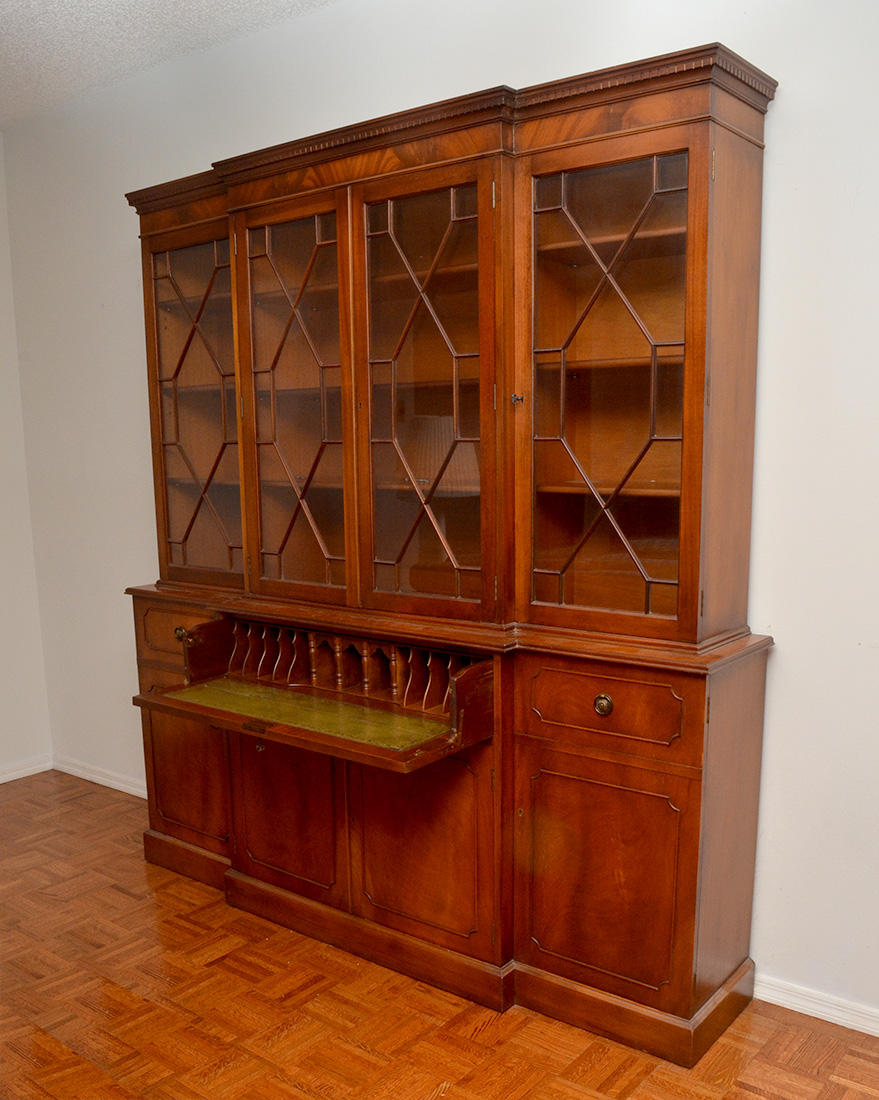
(25, 743)
(814, 586)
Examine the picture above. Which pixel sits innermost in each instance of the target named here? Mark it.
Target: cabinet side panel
(733, 290)
(731, 782)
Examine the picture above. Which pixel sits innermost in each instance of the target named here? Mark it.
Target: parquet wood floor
(122, 981)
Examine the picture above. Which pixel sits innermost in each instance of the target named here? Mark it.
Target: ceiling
(52, 51)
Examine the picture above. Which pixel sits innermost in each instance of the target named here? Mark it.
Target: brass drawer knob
(603, 705)
(180, 633)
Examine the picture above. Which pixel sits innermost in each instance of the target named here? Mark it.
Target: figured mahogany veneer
(448, 661)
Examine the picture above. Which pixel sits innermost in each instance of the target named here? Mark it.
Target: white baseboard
(813, 1003)
(26, 767)
(98, 775)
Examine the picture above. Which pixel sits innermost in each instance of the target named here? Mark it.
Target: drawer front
(638, 711)
(156, 679)
(155, 625)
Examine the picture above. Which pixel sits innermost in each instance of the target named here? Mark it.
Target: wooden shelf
(630, 490)
(673, 359)
(218, 300)
(570, 250)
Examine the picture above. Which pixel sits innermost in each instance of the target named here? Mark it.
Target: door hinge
(492, 935)
(702, 604)
(713, 163)
(708, 711)
(492, 778)
(493, 196)
(494, 397)
(241, 405)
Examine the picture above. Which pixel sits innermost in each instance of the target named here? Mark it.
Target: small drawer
(642, 712)
(155, 626)
(151, 678)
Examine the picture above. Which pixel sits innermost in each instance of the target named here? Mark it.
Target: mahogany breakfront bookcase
(453, 426)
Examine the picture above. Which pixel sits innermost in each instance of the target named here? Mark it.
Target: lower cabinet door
(289, 818)
(422, 850)
(606, 873)
(187, 768)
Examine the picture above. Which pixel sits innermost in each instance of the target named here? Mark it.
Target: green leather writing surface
(288, 707)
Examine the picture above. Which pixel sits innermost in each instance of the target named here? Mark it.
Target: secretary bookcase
(447, 662)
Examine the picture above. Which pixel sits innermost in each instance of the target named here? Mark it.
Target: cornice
(501, 106)
(204, 185)
(493, 104)
(699, 61)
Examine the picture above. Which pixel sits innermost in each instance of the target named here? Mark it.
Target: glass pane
(609, 332)
(382, 402)
(422, 258)
(670, 392)
(548, 377)
(606, 203)
(547, 192)
(609, 317)
(608, 421)
(319, 307)
(425, 566)
(566, 276)
(453, 291)
(671, 172)
(420, 224)
(392, 297)
(192, 288)
(465, 201)
(297, 372)
(397, 505)
(468, 398)
(604, 573)
(651, 269)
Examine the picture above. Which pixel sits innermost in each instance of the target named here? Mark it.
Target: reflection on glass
(298, 378)
(609, 314)
(192, 293)
(422, 254)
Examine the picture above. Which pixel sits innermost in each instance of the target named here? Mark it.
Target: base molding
(671, 1037)
(23, 768)
(474, 979)
(185, 859)
(101, 776)
(498, 987)
(812, 1002)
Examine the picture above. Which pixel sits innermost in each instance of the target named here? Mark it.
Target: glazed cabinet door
(425, 390)
(188, 290)
(296, 397)
(606, 857)
(616, 352)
